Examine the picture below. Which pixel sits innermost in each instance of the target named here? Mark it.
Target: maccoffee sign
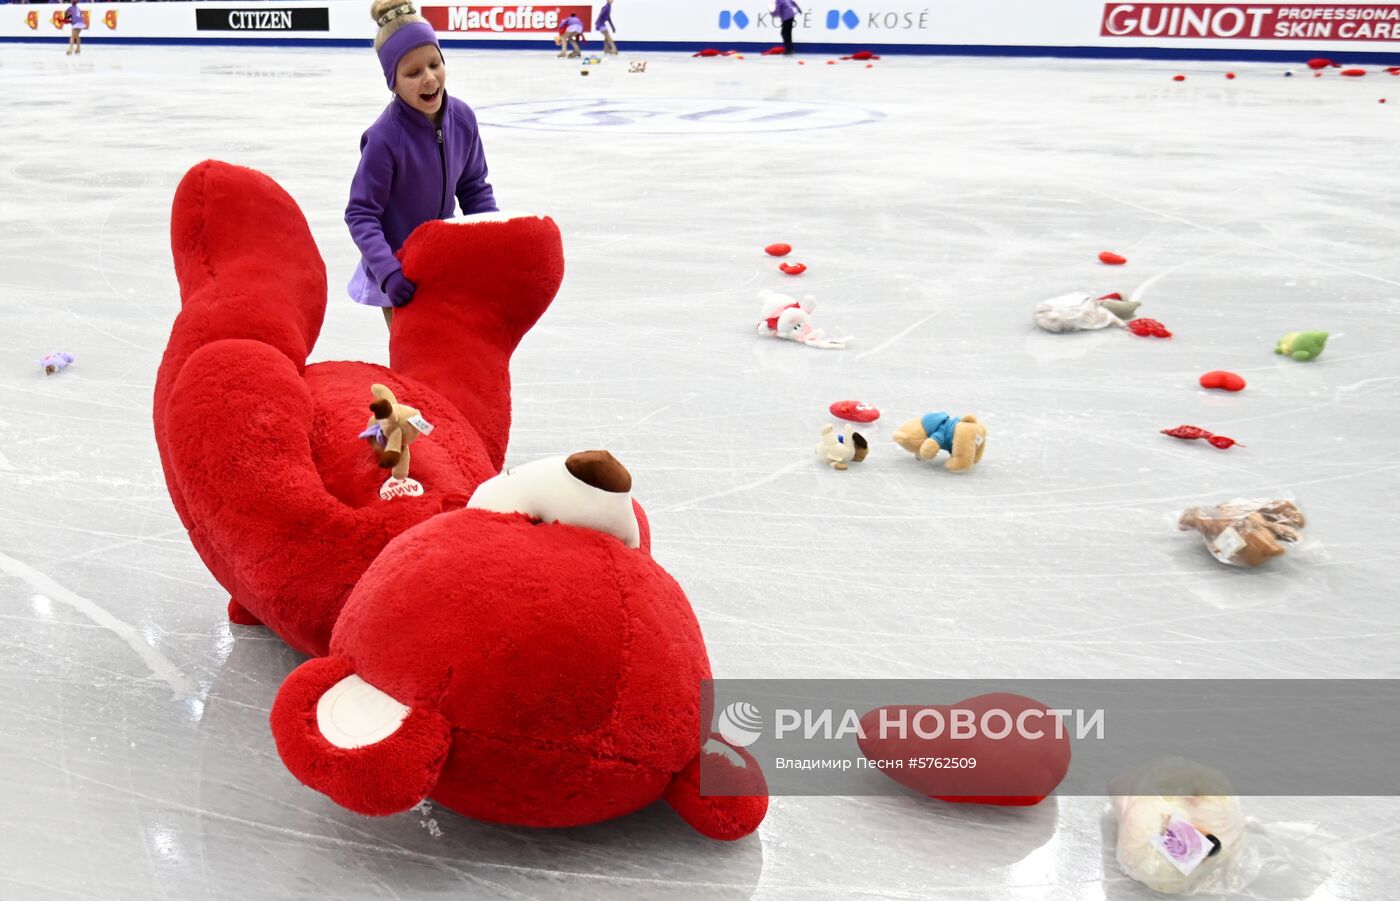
(504, 19)
(1250, 22)
(293, 19)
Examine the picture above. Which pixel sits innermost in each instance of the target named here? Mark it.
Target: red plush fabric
(1014, 771)
(551, 672)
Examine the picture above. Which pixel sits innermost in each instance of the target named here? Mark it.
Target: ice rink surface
(935, 202)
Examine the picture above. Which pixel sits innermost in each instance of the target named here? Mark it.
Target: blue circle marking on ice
(740, 724)
(691, 116)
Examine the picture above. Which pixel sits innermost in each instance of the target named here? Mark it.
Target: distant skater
(605, 26)
(785, 11)
(78, 19)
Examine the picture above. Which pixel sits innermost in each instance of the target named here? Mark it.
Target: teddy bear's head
(910, 435)
(518, 671)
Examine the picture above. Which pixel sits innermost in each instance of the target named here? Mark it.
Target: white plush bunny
(791, 320)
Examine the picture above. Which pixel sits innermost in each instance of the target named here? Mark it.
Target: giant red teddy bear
(518, 671)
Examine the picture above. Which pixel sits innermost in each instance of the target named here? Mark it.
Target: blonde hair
(390, 16)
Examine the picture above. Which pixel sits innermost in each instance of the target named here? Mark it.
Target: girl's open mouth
(429, 98)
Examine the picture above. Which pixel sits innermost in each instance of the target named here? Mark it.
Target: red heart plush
(1015, 771)
(1178, 78)
(1230, 75)
(1112, 258)
(707, 52)
(1222, 379)
(1320, 63)
(778, 250)
(854, 411)
(792, 268)
(775, 51)
(1353, 73)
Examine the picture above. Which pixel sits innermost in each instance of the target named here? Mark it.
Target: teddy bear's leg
(964, 450)
(734, 799)
(928, 449)
(481, 286)
(981, 444)
(223, 265)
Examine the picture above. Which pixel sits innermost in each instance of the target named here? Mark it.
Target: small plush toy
(1245, 533)
(840, 449)
(1180, 828)
(1080, 312)
(1119, 305)
(963, 437)
(1302, 346)
(392, 428)
(791, 320)
(56, 362)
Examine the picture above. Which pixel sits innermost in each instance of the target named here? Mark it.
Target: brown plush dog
(964, 438)
(400, 426)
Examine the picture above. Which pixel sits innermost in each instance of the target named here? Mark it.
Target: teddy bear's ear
(364, 749)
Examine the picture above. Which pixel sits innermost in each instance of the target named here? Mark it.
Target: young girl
(79, 21)
(573, 36)
(421, 151)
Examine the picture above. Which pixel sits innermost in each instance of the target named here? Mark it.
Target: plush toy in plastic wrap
(1246, 533)
(1180, 828)
(1080, 312)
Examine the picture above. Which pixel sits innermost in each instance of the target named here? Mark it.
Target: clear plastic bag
(1182, 832)
(1246, 533)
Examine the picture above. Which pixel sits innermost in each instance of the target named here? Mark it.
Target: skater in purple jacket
(423, 151)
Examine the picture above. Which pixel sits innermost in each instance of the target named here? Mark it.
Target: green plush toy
(1302, 345)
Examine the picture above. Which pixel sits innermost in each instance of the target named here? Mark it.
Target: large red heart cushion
(1014, 771)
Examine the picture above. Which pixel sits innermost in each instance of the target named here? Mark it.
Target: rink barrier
(1184, 54)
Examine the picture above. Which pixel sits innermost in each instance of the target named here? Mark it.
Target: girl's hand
(399, 289)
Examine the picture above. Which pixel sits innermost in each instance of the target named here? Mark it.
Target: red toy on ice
(854, 411)
(778, 250)
(1191, 433)
(1148, 328)
(505, 645)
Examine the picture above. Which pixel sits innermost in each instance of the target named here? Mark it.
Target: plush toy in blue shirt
(964, 438)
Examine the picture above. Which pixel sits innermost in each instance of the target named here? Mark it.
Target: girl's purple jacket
(410, 171)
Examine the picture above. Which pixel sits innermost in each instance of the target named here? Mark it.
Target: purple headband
(410, 37)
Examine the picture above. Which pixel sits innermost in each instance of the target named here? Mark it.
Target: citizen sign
(298, 19)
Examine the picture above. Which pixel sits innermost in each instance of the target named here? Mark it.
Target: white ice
(936, 201)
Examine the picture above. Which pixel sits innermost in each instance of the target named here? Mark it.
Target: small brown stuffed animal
(963, 437)
(840, 449)
(392, 428)
(1245, 533)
